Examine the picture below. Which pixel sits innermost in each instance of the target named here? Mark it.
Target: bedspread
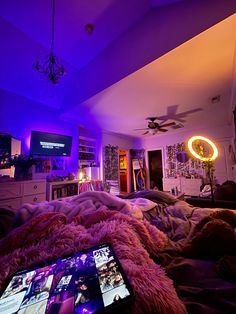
(51, 234)
(85, 203)
(177, 220)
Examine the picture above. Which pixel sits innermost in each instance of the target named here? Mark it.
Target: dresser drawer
(34, 187)
(13, 203)
(191, 186)
(10, 190)
(34, 198)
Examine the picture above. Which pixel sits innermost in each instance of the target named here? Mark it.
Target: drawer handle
(35, 199)
(35, 187)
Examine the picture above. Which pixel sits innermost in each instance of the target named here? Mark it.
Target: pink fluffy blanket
(50, 235)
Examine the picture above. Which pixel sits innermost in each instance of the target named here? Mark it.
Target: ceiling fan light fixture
(154, 127)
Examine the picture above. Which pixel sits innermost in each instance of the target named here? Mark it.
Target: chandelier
(51, 67)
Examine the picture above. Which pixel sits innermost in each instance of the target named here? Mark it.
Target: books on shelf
(60, 189)
(113, 187)
(64, 190)
(93, 185)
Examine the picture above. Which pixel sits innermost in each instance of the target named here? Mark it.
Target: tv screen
(50, 144)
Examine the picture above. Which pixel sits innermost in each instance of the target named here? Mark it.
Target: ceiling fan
(153, 127)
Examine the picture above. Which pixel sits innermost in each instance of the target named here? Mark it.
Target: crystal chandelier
(51, 67)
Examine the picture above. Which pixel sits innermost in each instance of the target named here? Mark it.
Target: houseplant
(23, 166)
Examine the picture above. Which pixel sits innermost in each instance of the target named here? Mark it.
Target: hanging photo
(58, 164)
(43, 165)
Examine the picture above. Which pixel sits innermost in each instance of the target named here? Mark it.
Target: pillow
(153, 195)
(139, 205)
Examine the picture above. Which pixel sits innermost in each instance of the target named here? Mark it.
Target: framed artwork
(43, 165)
(58, 164)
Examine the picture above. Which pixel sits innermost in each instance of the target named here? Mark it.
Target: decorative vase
(22, 173)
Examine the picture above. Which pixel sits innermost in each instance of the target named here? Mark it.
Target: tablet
(89, 281)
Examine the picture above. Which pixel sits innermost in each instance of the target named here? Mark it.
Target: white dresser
(186, 186)
(14, 194)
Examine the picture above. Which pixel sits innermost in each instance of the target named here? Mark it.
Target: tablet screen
(90, 281)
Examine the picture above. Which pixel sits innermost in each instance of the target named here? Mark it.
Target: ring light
(196, 153)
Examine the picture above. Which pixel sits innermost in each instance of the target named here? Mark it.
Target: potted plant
(23, 166)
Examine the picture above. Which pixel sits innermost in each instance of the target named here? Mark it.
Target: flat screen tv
(50, 144)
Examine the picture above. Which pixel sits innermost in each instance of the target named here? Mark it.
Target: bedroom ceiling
(168, 83)
(179, 85)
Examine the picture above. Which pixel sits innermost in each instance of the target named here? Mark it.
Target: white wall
(222, 136)
(122, 141)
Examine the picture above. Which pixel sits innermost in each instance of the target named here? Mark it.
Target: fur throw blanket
(50, 235)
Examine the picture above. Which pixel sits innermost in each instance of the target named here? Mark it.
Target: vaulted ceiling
(144, 58)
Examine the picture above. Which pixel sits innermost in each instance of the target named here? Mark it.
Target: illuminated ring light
(195, 154)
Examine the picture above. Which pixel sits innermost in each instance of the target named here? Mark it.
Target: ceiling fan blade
(141, 129)
(168, 124)
(145, 132)
(162, 130)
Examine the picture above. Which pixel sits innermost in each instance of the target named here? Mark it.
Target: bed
(150, 232)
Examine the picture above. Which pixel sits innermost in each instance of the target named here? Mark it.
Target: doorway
(155, 169)
(123, 171)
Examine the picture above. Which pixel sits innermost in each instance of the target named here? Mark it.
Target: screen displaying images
(86, 282)
(50, 144)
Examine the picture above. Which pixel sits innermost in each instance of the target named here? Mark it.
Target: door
(155, 169)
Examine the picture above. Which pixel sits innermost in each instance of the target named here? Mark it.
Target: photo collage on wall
(46, 165)
(188, 168)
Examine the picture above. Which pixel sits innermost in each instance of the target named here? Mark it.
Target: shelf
(63, 182)
(87, 151)
(86, 159)
(61, 189)
(88, 146)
